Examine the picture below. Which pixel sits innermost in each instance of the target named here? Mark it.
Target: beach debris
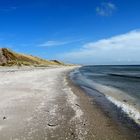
(124, 100)
(52, 125)
(77, 105)
(72, 133)
(4, 118)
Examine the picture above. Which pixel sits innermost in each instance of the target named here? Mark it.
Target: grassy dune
(10, 58)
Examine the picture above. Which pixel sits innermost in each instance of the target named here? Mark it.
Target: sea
(116, 88)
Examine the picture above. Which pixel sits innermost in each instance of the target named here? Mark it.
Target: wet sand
(42, 104)
(99, 123)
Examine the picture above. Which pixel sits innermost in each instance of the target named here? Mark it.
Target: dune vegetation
(11, 58)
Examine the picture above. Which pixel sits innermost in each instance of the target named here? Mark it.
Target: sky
(73, 31)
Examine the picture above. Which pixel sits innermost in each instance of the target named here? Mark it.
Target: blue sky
(75, 31)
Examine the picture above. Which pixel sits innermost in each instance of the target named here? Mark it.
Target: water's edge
(119, 111)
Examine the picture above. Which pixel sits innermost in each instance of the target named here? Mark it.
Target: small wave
(121, 100)
(131, 107)
(130, 110)
(124, 75)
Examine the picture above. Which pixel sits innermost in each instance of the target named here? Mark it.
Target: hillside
(10, 58)
(57, 62)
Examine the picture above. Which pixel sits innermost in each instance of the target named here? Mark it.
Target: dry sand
(41, 104)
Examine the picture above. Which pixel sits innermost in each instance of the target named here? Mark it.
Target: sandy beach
(43, 104)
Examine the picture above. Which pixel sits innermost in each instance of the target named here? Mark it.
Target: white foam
(130, 110)
(117, 96)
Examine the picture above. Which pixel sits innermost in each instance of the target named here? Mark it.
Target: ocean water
(120, 85)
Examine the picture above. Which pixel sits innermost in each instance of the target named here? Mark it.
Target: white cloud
(123, 48)
(105, 9)
(52, 43)
(57, 43)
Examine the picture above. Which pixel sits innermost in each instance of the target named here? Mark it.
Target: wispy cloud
(53, 43)
(117, 49)
(105, 9)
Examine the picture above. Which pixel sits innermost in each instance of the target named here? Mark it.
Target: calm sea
(120, 85)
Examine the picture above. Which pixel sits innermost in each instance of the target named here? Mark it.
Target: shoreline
(109, 128)
(46, 104)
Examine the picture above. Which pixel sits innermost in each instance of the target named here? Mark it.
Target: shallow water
(120, 85)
